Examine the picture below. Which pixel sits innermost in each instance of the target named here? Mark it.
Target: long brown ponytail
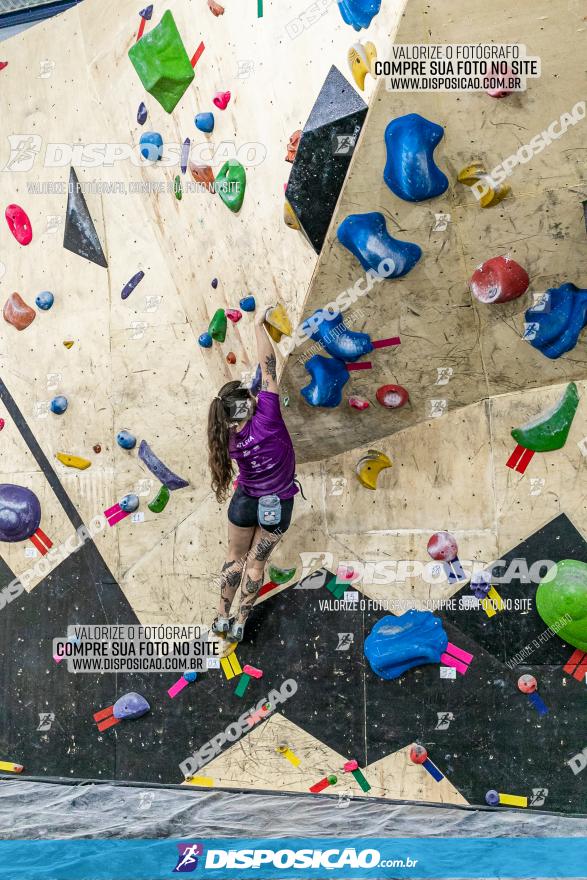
(219, 421)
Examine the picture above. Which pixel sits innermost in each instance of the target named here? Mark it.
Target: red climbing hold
(418, 754)
(358, 403)
(3, 64)
(221, 100)
(233, 315)
(231, 357)
(499, 280)
(392, 396)
(215, 8)
(19, 224)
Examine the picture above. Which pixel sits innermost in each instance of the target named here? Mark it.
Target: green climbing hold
(177, 188)
(332, 779)
(159, 502)
(162, 63)
(551, 429)
(562, 597)
(280, 575)
(230, 184)
(217, 328)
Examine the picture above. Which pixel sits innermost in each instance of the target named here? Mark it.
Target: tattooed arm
(266, 355)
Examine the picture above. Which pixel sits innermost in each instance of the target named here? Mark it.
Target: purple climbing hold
(130, 285)
(411, 172)
(329, 376)
(366, 236)
(398, 643)
(142, 113)
(492, 798)
(131, 705)
(147, 12)
(20, 513)
(480, 584)
(335, 337)
(185, 155)
(257, 379)
(161, 471)
(214, 283)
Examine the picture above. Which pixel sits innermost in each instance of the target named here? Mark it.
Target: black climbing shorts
(242, 511)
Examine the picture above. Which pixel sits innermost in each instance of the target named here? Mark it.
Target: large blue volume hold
(411, 172)
(554, 324)
(335, 337)
(131, 705)
(329, 376)
(359, 13)
(396, 644)
(366, 236)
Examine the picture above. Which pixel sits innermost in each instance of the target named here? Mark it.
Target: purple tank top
(264, 452)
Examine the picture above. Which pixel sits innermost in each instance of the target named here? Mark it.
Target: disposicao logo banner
(302, 858)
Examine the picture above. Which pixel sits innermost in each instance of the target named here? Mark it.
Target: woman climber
(252, 432)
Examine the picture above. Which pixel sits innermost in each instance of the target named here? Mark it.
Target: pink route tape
(176, 688)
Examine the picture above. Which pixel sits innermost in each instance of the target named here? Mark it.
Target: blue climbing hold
(359, 13)
(248, 304)
(130, 706)
(396, 644)
(366, 236)
(142, 113)
(335, 337)
(554, 324)
(205, 122)
(205, 340)
(126, 440)
(129, 503)
(147, 12)
(190, 676)
(411, 172)
(59, 405)
(151, 146)
(329, 376)
(44, 300)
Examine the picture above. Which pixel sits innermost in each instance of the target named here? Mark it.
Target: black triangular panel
(80, 233)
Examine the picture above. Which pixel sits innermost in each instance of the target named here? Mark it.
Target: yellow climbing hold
(486, 191)
(204, 781)
(370, 466)
(68, 343)
(73, 461)
(278, 324)
(289, 216)
(361, 62)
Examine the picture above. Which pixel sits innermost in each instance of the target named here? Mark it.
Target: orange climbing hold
(203, 174)
(292, 147)
(17, 312)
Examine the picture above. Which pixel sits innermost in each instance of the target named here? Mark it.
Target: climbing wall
(119, 357)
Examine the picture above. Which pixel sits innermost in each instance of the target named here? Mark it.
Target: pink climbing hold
(3, 64)
(358, 403)
(500, 91)
(19, 224)
(350, 766)
(2, 423)
(233, 315)
(442, 547)
(392, 396)
(221, 100)
(499, 280)
(527, 684)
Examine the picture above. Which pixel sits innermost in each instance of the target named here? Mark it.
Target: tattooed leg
(263, 544)
(239, 543)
